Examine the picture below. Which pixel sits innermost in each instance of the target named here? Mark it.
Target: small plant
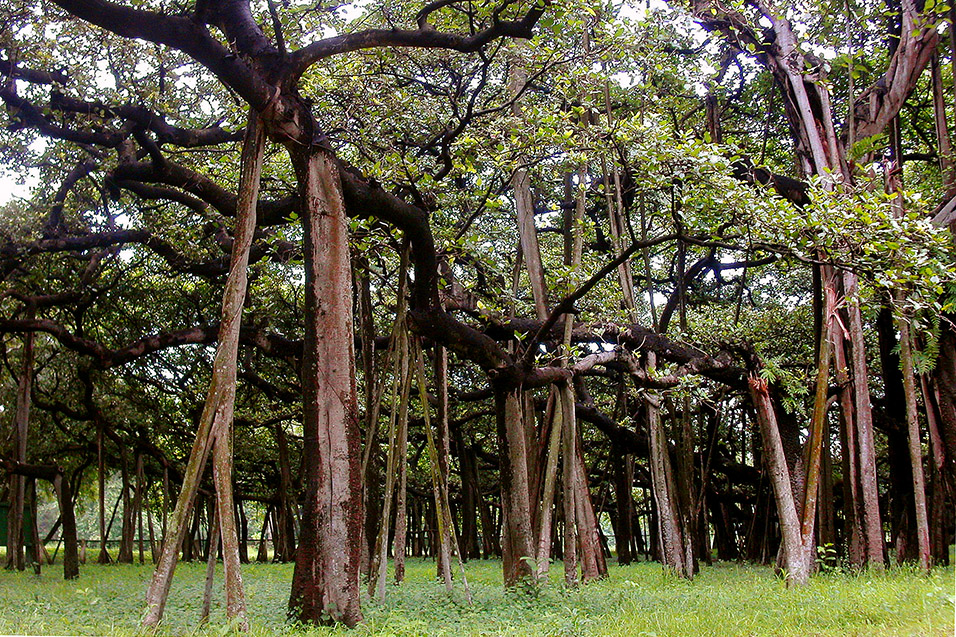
(827, 558)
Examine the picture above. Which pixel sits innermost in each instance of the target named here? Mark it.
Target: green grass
(726, 599)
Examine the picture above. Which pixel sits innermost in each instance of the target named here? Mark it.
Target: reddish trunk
(517, 539)
(325, 582)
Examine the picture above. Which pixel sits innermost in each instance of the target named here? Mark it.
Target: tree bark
(662, 481)
(216, 420)
(516, 541)
(797, 557)
(325, 581)
(915, 446)
(21, 426)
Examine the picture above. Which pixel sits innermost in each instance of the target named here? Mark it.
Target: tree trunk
(798, 557)
(863, 419)
(216, 420)
(211, 552)
(623, 530)
(915, 446)
(128, 524)
(325, 581)
(517, 541)
(138, 506)
(104, 555)
(570, 492)
(21, 425)
(662, 481)
(285, 522)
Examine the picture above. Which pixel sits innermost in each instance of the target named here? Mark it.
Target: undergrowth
(725, 599)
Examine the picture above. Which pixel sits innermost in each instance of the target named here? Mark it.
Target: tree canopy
(389, 264)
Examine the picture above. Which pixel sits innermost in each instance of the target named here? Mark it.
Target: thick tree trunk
(325, 582)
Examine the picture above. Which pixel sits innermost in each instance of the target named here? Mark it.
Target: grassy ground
(726, 599)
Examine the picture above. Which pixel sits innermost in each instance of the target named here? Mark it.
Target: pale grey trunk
(797, 557)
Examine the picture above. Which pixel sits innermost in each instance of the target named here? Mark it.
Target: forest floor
(724, 599)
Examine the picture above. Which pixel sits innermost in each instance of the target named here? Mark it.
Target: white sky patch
(659, 299)
(104, 79)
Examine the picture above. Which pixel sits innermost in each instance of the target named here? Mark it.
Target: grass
(726, 599)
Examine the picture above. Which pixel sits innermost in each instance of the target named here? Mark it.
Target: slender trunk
(548, 489)
(128, 530)
(285, 522)
(401, 499)
(623, 483)
(71, 562)
(569, 440)
(216, 420)
(863, 412)
(593, 561)
(669, 530)
(262, 554)
(138, 506)
(226, 520)
(915, 446)
(37, 554)
(442, 446)
(213, 549)
(818, 422)
(21, 425)
(104, 556)
(397, 426)
(938, 487)
(443, 518)
(524, 210)
(944, 144)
